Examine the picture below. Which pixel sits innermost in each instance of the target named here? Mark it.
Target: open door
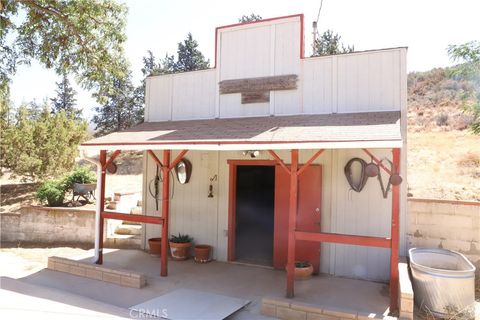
(308, 215)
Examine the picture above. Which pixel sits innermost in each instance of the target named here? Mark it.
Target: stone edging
(405, 289)
(288, 309)
(116, 276)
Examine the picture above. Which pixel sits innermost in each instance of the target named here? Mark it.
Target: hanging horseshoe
(363, 177)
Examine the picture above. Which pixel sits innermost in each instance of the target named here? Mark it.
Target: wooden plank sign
(256, 90)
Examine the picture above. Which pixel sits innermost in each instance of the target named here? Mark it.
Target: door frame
(232, 198)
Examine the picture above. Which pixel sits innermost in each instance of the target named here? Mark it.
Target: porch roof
(326, 131)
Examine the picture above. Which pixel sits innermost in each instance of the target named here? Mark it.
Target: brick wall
(453, 225)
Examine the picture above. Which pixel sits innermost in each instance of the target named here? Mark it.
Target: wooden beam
(279, 161)
(292, 223)
(377, 161)
(112, 157)
(155, 158)
(309, 162)
(132, 217)
(281, 82)
(395, 235)
(165, 212)
(101, 199)
(343, 238)
(255, 97)
(177, 159)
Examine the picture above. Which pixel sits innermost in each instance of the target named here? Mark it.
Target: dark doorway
(254, 214)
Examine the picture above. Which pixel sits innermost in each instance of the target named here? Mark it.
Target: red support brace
(279, 161)
(309, 162)
(112, 157)
(177, 159)
(377, 161)
(155, 158)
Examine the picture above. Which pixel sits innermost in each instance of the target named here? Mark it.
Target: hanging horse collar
(363, 177)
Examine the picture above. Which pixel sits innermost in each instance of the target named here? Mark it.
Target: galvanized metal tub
(443, 281)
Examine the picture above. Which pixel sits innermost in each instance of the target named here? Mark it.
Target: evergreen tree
(123, 107)
(329, 43)
(189, 57)
(65, 99)
(469, 54)
(39, 144)
(250, 18)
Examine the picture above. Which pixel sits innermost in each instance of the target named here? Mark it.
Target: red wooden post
(395, 234)
(101, 199)
(292, 217)
(165, 209)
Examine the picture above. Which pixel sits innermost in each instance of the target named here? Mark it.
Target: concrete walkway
(252, 283)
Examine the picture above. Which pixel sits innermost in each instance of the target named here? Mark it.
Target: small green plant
(302, 264)
(181, 238)
(51, 191)
(79, 175)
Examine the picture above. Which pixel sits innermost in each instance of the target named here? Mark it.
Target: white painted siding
(189, 95)
(343, 211)
(355, 82)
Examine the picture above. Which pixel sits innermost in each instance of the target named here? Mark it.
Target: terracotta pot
(155, 245)
(303, 273)
(202, 253)
(179, 251)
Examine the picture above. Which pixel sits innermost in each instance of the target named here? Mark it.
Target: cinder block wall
(453, 225)
(48, 225)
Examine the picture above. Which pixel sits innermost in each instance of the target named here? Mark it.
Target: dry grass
(444, 165)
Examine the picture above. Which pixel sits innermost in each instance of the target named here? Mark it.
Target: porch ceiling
(326, 131)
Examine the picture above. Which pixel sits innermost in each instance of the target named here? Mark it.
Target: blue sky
(427, 27)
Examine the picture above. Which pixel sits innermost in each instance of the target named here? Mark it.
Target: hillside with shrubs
(437, 100)
(443, 152)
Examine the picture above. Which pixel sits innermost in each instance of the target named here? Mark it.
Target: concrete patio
(241, 281)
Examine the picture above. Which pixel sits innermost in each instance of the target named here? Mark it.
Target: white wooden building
(263, 94)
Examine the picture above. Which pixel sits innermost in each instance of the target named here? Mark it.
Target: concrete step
(129, 229)
(123, 241)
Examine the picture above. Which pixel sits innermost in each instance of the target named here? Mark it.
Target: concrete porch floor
(248, 282)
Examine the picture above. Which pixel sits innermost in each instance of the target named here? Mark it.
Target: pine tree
(189, 57)
(250, 18)
(329, 44)
(123, 107)
(65, 99)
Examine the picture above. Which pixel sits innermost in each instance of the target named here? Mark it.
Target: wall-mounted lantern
(251, 153)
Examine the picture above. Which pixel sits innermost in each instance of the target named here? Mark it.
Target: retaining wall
(49, 225)
(453, 225)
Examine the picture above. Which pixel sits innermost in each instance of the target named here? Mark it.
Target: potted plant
(202, 253)
(179, 246)
(303, 270)
(155, 245)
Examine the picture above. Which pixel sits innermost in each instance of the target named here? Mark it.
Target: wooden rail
(132, 217)
(343, 238)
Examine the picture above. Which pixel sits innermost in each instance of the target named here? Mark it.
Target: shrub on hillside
(51, 191)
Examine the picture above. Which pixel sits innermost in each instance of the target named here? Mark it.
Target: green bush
(79, 175)
(52, 191)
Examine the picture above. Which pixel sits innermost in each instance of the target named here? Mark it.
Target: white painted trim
(249, 146)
